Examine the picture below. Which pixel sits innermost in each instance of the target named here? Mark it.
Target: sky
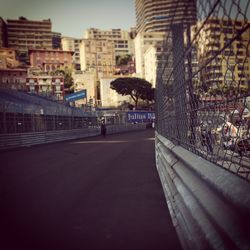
(73, 17)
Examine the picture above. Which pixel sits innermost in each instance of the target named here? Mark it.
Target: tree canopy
(136, 88)
(123, 60)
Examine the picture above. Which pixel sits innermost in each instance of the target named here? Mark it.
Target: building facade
(98, 56)
(143, 41)
(3, 33)
(56, 40)
(49, 59)
(13, 78)
(73, 44)
(158, 15)
(151, 63)
(85, 81)
(230, 67)
(24, 34)
(122, 39)
(50, 86)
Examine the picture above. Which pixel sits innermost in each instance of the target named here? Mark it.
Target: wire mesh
(203, 85)
(22, 112)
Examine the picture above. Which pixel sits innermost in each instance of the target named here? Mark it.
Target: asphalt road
(93, 193)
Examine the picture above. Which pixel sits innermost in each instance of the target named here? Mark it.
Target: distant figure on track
(103, 129)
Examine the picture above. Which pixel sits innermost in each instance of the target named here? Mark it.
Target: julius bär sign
(140, 116)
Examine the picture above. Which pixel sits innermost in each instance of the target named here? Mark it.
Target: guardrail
(113, 129)
(16, 140)
(209, 206)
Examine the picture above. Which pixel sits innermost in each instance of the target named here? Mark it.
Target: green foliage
(123, 60)
(68, 80)
(136, 88)
(126, 105)
(149, 95)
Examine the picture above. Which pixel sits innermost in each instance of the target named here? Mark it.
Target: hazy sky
(72, 17)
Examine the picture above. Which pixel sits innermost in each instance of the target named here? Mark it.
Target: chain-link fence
(203, 83)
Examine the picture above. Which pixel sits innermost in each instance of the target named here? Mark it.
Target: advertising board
(140, 116)
(76, 96)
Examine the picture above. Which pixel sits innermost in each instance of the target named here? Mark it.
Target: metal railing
(25, 139)
(23, 112)
(209, 206)
(203, 84)
(23, 122)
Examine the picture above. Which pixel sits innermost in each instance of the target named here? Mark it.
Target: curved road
(92, 193)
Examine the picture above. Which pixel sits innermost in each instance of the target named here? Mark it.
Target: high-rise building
(122, 39)
(143, 41)
(73, 44)
(226, 61)
(56, 40)
(24, 34)
(158, 15)
(3, 33)
(98, 55)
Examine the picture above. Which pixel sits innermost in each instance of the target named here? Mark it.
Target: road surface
(92, 193)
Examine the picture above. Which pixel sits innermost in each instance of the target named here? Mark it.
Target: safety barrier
(209, 206)
(113, 129)
(17, 140)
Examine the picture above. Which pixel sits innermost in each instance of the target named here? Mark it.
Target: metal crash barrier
(16, 140)
(209, 206)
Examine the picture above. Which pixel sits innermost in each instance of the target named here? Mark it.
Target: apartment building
(56, 40)
(24, 34)
(232, 65)
(98, 55)
(3, 33)
(158, 15)
(143, 41)
(73, 44)
(123, 40)
(13, 78)
(48, 60)
(158, 61)
(51, 86)
(150, 59)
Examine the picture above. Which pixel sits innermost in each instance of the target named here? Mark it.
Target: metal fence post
(179, 86)
(192, 100)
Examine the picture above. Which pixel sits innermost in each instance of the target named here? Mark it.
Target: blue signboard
(140, 116)
(76, 96)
